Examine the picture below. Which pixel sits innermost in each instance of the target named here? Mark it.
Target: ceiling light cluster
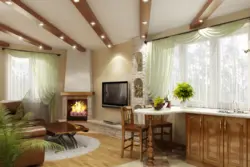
(41, 24)
(109, 46)
(76, 1)
(62, 37)
(200, 21)
(8, 2)
(92, 23)
(145, 1)
(74, 47)
(144, 22)
(40, 47)
(20, 38)
(143, 36)
(102, 36)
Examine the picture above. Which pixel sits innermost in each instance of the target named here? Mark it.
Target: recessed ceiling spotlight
(143, 36)
(102, 36)
(62, 37)
(40, 47)
(8, 2)
(92, 23)
(145, 1)
(41, 24)
(74, 46)
(76, 1)
(20, 38)
(201, 21)
(109, 46)
(144, 22)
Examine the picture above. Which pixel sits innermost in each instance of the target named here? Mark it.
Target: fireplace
(76, 106)
(77, 109)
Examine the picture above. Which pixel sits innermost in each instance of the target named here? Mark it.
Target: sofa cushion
(11, 105)
(34, 132)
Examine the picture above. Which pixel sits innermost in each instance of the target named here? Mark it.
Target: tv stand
(111, 122)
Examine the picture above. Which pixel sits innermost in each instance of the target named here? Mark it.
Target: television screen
(114, 94)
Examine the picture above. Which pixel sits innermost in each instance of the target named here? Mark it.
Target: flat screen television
(115, 94)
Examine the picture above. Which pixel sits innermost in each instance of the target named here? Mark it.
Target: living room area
(107, 83)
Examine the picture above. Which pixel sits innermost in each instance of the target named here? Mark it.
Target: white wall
(78, 71)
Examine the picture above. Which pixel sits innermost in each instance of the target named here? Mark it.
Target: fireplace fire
(77, 110)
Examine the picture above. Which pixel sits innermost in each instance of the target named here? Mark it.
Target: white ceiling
(230, 6)
(119, 18)
(167, 14)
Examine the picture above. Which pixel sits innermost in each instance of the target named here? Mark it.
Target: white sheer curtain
(217, 68)
(33, 77)
(18, 77)
(212, 60)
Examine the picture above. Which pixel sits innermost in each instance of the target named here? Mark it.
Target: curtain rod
(29, 51)
(197, 29)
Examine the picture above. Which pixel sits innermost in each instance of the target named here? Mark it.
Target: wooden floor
(107, 155)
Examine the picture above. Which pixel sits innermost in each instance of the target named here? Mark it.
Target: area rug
(86, 144)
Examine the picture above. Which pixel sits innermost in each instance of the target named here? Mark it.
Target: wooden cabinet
(213, 140)
(218, 141)
(194, 136)
(235, 142)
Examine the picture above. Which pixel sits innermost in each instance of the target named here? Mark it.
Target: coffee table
(59, 129)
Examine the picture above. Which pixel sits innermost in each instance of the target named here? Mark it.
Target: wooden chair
(129, 126)
(160, 122)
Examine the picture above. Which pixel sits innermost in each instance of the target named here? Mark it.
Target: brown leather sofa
(36, 130)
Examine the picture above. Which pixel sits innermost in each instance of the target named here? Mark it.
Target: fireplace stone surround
(68, 97)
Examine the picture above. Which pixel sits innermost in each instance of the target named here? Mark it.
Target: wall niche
(138, 87)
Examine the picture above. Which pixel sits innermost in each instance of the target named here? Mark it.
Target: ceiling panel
(167, 14)
(119, 18)
(19, 22)
(230, 6)
(64, 15)
(12, 40)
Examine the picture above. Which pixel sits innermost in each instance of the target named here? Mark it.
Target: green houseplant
(158, 103)
(183, 92)
(12, 142)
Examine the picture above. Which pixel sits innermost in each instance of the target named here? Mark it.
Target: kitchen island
(214, 138)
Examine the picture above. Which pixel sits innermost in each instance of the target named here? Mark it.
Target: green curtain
(160, 53)
(44, 76)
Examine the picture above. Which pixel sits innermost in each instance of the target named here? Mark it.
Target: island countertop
(190, 110)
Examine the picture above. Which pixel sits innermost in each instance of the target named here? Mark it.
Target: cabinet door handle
(200, 122)
(225, 125)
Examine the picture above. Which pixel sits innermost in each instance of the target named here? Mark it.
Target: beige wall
(110, 65)
(2, 75)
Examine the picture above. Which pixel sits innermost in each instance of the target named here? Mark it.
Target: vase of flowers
(183, 92)
(158, 103)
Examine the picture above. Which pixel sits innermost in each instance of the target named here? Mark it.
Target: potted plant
(183, 92)
(158, 103)
(12, 142)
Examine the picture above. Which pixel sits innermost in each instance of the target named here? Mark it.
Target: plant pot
(183, 104)
(159, 106)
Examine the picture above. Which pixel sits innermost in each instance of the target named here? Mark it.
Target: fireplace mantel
(77, 93)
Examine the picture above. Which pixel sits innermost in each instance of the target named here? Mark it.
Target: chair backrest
(127, 115)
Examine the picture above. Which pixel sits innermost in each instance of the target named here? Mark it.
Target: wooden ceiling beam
(21, 36)
(83, 7)
(207, 10)
(4, 44)
(31, 14)
(145, 8)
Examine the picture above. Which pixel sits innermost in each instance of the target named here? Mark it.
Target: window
(18, 77)
(218, 70)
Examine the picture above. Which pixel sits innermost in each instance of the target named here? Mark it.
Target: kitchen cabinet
(194, 136)
(217, 141)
